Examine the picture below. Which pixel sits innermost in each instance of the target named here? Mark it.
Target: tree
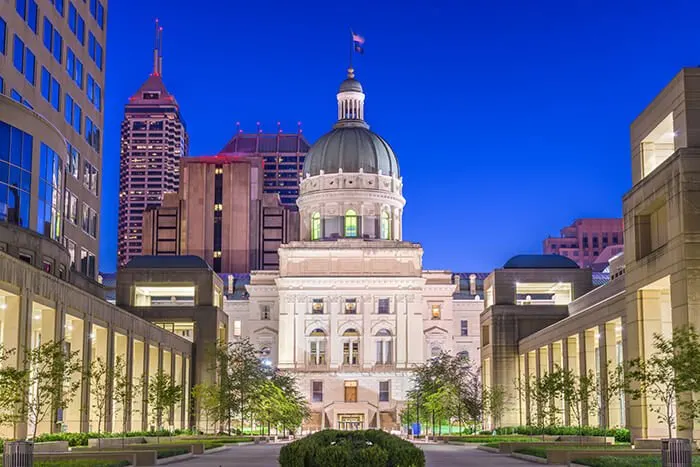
(296, 407)
(122, 391)
(163, 394)
(494, 403)
(99, 374)
(579, 394)
(50, 383)
(207, 397)
(13, 391)
(672, 369)
(614, 388)
(543, 392)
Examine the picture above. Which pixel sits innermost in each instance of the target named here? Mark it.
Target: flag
(357, 41)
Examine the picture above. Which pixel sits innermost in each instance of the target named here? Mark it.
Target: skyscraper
(52, 72)
(283, 158)
(585, 240)
(153, 138)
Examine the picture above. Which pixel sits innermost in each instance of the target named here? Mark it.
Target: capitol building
(351, 310)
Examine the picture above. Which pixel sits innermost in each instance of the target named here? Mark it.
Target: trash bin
(18, 454)
(676, 452)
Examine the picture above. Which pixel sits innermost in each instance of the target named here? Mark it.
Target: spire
(158, 51)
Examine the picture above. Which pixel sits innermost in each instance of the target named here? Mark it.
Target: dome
(350, 85)
(351, 148)
(540, 262)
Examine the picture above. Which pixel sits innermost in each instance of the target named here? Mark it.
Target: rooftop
(167, 262)
(261, 143)
(540, 262)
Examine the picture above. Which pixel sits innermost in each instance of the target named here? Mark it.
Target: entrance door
(350, 391)
(351, 422)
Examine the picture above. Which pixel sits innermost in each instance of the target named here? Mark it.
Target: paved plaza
(437, 455)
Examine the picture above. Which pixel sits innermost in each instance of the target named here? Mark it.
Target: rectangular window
(28, 11)
(350, 306)
(23, 59)
(3, 37)
(92, 134)
(72, 113)
(76, 23)
(94, 93)
(50, 89)
(87, 262)
(53, 40)
(237, 328)
(350, 352)
(464, 327)
(383, 306)
(70, 208)
(384, 391)
(97, 11)
(89, 221)
(435, 311)
(317, 391)
(90, 177)
(317, 306)
(265, 312)
(73, 161)
(70, 245)
(29, 66)
(95, 50)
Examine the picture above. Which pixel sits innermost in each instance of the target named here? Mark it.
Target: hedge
(81, 439)
(370, 448)
(622, 435)
(627, 461)
(80, 463)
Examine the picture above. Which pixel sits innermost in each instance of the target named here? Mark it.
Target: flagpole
(352, 49)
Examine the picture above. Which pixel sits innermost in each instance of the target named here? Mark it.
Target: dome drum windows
(350, 225)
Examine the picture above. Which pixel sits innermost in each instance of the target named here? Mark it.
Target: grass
(542, 451)
(627, 461)
(81, 463)
(163, 453)
(484, 439)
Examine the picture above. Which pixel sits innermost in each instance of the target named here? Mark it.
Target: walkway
(444, 455)
(436, 455)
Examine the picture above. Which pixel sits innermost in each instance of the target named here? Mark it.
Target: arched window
(351, 332)
(315, 226)
(318, 332)
(317, 347)
(385, 226)
(385, 347)
(351, 347)
(350, 223)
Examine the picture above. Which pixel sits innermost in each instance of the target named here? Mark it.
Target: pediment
(265, 329)
(435, 331)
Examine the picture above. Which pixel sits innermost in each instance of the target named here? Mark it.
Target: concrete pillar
(139, 385)
(587, 363)
(179, 416)
(556, 363)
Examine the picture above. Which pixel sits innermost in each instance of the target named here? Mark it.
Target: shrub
(163, 453)
(370, 448)
(622, 435)
(81, 463)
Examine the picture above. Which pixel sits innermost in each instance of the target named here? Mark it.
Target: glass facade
(15, 174)
(48, 221)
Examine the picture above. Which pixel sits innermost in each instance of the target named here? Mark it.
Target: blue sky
(509, 118)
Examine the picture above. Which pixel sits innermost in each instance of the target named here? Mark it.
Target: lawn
(490, 439)
(542, 451)
(628, 461)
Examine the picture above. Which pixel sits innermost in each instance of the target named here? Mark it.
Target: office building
(153, 139)
(283, 157)
(586, 239)
(222, 215)
(540, 313)
(52, 73)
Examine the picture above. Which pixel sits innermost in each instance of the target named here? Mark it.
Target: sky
(509, 118)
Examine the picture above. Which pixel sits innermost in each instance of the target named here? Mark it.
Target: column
(399, 309)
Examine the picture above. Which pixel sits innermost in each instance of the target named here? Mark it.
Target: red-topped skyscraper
(153, 139)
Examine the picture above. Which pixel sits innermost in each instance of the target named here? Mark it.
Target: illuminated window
(350, 223)
(317, 306)
(435, 311)
(350, 306)
(318, 332)
(217, 254)
(315, 226)
(385, 227)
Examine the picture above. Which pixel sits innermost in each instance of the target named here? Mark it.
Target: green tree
(99, 374)
(122, 391)
(50, 383)
(296, 407)
(579, 394)
(495, 399)
(207, 397)
(669, 376)
(13, 391)
(163, 394)
(614, 388)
